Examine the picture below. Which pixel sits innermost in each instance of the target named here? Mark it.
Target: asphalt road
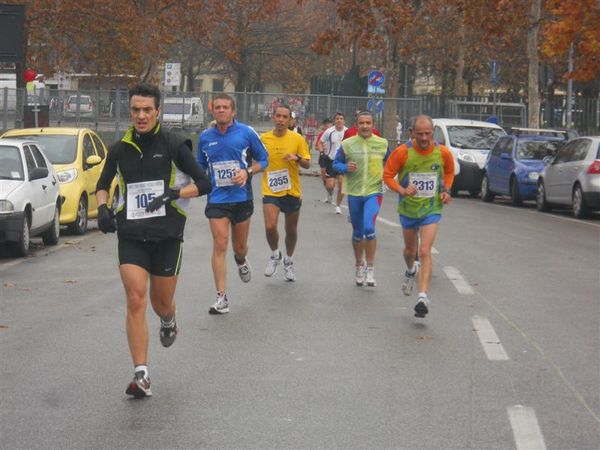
(509, 356)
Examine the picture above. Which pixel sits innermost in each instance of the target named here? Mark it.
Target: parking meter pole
(35, 108)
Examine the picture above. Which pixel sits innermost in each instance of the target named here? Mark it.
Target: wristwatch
(249, 170)
(447, 191)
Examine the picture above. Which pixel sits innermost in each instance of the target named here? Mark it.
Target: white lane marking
(459, 282)
(526, 428)
(489, 339)
(388, 222)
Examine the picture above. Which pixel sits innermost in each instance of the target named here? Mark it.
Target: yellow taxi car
(78, 156)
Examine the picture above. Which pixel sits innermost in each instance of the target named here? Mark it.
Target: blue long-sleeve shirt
(220, 154)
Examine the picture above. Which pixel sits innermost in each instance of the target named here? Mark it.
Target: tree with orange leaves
(574, 22)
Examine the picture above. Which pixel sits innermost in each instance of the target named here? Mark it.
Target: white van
(183, 112)
(470, 141)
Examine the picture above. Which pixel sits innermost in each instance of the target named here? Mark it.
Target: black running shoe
(168, 332)
(421, 309)
(139, 386)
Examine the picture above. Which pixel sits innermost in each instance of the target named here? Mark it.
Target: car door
(556, 174)
(91, 173)
(496, 164)
(43, 196)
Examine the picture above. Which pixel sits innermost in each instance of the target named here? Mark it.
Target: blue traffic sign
(494, 72)
(378, 105)
(376, 78)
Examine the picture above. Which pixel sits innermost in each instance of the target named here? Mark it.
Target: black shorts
(329, 172)
(161, 258)
(323, 160)
(286, 204)
(235, 212)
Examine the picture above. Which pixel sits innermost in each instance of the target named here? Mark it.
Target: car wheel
(21, 247)
(80, 224)
(51, 235)
(515, 194)
(474, 193)
(486, 195)
(540, 198)
(580, 209)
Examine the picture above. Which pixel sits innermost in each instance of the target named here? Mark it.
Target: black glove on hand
(106, 219)
(170, 194)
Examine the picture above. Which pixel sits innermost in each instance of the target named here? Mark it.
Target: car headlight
(6, 206)
(66, 176)
(467, 157)
(533, 175)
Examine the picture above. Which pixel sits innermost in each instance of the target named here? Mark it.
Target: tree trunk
(390, 109)
(460, 63)
(533, 111)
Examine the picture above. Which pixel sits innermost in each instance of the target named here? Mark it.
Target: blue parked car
(513, 166)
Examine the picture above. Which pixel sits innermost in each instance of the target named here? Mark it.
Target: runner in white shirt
(331, 142)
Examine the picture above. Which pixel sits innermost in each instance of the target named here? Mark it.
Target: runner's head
(339, 120)
(282, 117)
(223, 109)
(423, 132)
(364, 123)
(144, 102)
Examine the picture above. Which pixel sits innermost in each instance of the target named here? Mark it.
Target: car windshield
(474, 137)
(537, 150)
(176, 108)
(11, 165)
(59, 149)
(82, 100)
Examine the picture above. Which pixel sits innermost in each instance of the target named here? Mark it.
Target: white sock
(423, 296)
(276, 253)
(287, 260)
(412, 270)
(144, 368)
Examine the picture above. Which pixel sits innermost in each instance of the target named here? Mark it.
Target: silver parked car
(572, 177)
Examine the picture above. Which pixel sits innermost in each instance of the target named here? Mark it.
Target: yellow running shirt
(282, 177)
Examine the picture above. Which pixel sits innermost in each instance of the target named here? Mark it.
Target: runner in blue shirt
(230, 152)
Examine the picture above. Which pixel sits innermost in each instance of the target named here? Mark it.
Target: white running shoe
(288, 271)
(221, 306)
(338, 210)
(359, 276)
(370, 278)
(140, 385)
(272, 265)
(245, 271)
(409, 280)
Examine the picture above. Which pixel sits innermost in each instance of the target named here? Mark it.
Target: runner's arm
(393, 166)
(106, 176)
(186, 163)
(448, 177)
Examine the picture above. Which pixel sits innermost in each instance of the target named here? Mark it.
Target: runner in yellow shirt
(281, 188)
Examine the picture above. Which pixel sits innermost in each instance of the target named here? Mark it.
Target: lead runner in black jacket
(157, 174)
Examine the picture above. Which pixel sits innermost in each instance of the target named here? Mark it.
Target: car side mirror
(547, 160)
(93, 160)
(38, 173)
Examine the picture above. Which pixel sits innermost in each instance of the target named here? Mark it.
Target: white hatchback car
(29, 196)
(470, 141)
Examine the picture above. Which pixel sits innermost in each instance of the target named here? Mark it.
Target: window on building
(217, 85)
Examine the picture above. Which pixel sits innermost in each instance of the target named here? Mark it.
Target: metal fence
(108, 111)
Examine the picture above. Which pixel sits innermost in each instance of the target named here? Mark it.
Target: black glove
(170, 194)
(106, 219)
